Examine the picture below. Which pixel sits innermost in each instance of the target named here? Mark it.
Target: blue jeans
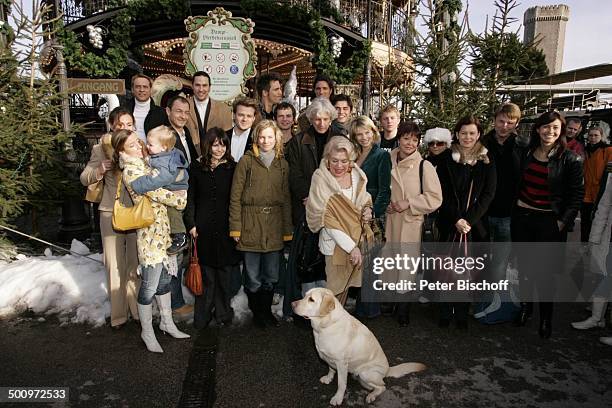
(154, 281)
(261, 270)
(311, 285)
(499, 231)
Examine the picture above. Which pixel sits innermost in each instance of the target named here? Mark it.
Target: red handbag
(193, 278)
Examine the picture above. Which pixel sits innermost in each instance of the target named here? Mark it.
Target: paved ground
(488, 366)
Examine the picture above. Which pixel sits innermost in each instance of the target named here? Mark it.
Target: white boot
(167, 324)
(596, 319)
(147, 334)
(606, 340)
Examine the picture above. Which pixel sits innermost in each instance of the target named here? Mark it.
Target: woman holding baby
(152, 241)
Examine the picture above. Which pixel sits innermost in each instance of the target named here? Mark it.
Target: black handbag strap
(421, 174)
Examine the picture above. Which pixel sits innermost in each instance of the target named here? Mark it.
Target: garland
(323, 59)
(113, 59)
(325, 62)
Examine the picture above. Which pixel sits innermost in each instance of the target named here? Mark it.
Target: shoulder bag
(193, 277)
(137, 216)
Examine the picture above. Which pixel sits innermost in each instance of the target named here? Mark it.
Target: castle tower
(547, 24)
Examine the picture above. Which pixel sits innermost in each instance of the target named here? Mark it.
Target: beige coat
(405, 185)
(403, 230)
(329, 209)
(120, 250)
(89, 175)
(220, 116)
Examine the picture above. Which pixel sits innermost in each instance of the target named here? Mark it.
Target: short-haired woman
(152, 241)
(468, 181)
(260, 216)
(550, 192)
(415, 192)
(339, 206)
(305, 150)
(207, 220)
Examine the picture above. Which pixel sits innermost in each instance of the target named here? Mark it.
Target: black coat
(192, 150)
(208, 201)
(156, 116)
(565, 182)
(505, 167)
(302, 156)
(455, 179)
(249, 143)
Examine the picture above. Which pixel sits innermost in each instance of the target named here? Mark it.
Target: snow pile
(70, 286)
(74, 288)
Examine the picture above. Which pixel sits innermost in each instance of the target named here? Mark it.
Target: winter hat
(438, 135)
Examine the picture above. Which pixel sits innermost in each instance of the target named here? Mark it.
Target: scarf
(469, 156)
(267, 157)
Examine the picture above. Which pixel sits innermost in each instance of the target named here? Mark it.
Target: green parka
(260, 204)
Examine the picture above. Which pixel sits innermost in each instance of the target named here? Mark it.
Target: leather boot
(147, 334)
(267, 297)
(403, 314)
(545, 319)
(254, 305)
(524, 314)
(167, 324)
(596, 319)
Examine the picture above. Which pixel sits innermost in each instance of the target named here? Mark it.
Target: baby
(170, 172)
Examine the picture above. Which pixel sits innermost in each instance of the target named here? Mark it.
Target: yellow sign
(96, 86)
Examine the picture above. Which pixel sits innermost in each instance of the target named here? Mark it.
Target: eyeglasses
(437, 144)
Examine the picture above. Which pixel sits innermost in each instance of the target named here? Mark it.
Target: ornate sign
(221, 46)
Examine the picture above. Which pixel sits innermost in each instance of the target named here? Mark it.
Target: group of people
(250, 177)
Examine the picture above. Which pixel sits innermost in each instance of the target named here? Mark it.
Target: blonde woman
(260, 216)
(338, 204)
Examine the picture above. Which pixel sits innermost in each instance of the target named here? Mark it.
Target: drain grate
(199, 382)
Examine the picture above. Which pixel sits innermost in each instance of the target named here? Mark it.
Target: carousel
(358, 43)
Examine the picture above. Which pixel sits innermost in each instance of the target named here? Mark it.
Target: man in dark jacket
(501, 142)
(146, 114)
(178, 114)
(240, 136)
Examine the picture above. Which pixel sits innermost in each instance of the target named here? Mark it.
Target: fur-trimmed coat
(456, 175)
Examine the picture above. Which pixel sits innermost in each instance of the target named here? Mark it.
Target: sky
(588, 32)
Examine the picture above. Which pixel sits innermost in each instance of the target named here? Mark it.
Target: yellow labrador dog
(347, 346)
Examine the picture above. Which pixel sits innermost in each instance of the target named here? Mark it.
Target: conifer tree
(32, 138)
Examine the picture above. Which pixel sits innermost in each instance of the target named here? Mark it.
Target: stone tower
(547, 25)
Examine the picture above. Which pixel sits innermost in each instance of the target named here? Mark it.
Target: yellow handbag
(94, 192)
(135, 217)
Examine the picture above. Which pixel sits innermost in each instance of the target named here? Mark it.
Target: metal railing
(75, 10)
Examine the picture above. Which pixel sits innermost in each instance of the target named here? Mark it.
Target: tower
(546, 24)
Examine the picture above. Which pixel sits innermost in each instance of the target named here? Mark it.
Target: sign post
(221, 46)
(96, 86)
